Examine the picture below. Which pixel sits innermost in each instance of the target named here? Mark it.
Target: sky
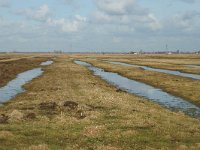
(99, 25)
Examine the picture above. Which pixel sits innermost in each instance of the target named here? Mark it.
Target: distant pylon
(166, 47)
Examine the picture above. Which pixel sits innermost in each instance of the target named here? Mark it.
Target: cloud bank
(104, 25)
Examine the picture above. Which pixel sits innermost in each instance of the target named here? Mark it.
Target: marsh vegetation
(70, 108)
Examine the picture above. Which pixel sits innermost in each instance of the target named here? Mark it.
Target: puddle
(177, 73)
(14, 87)
(49, 62)
(138, 88)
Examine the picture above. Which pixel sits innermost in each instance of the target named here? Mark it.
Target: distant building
(58, 51)
(169, 53)
(133, 53)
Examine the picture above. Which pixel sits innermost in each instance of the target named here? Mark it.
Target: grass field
(70, 108)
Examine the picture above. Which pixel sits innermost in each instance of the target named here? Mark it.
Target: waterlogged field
(68, 107)
(12, 64)
(187, 88)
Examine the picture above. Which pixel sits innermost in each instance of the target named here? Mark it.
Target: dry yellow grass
(112, 120)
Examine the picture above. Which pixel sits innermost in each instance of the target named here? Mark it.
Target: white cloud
(41, 14)
(67, 25)
(111, 25)
(184, 22)
(115, 6)
(154, 23)
(126, 12)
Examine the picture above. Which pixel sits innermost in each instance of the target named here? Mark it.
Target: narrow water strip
(138, 88)
(14, 87)
(46, 63)
(193, 66)
(177, 73)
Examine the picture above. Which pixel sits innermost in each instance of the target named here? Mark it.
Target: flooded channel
(46, 63)
(15, 86)
(177, 73)
(193, 66)
(138, 88)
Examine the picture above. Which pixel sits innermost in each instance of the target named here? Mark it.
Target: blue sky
(99, 25)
